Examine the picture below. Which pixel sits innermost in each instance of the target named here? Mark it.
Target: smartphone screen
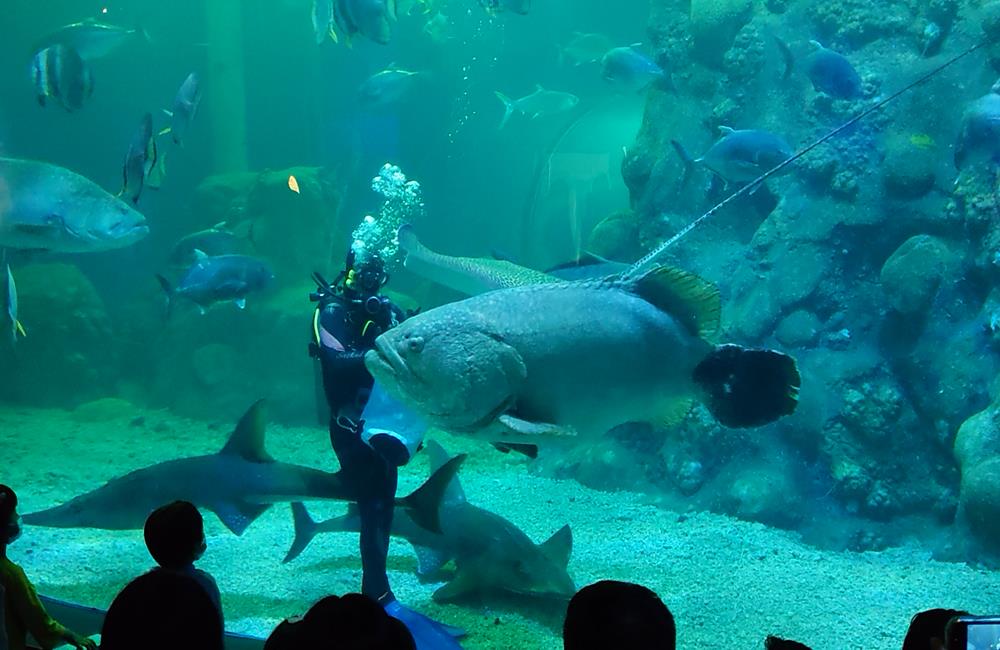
(983, 635)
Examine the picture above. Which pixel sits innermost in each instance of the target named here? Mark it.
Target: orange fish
(293, 184)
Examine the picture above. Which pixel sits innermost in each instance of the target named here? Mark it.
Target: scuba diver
(351, 313)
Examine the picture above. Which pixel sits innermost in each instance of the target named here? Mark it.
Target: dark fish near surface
(185, 106)
(740, 156)
(61, 74)
(831, 73)
(322, 20)
(141, 167)
(46, 207)
(219, 279)
(496, 6)
(521, 362)
(631, 68)
(218, 240)
(92, 39)
(8, 300)
(979, 138)
(371, 18)
(386, 87)
(540, 103)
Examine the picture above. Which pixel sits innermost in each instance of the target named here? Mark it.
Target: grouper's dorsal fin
(438, 456)
(247, 439)
(559, 547)
(693, 301)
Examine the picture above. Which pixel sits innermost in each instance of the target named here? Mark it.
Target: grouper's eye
(414, 344)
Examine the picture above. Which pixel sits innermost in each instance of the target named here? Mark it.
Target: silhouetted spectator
(175, 537)
(23, 613)
(926, 631)
(609, 615)
(777, 643)
(162, 610)
(349, 622)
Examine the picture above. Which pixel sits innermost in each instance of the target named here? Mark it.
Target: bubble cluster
(403, 203)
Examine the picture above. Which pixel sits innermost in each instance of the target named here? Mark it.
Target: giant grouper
(579, 358)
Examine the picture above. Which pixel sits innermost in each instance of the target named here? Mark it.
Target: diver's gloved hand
(389, 445)
(427, 633)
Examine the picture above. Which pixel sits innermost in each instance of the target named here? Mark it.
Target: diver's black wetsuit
(347, 331)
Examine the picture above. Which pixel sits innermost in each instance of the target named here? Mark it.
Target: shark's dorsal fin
(247, 439)
(438, 457)
(559, 547)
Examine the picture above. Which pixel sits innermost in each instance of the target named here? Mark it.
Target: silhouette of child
(23, 612)
(175, 537)
(609, 614)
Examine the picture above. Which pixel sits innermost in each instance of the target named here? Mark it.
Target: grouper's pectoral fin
(238, 516)
(528, 428)
(671, 412)
(463, 585)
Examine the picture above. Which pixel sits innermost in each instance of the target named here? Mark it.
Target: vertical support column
(225, 91)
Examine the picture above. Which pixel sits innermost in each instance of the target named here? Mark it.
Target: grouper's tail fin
(305, 531)
(748, 388)
(424, 504)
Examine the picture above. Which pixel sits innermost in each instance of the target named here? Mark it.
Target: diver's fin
(508, 105)
(238, 516)
(427, 633)
(305, 531)
(424, 503)
(527, 428)
(429, 561)
(748, 388)
(695, 302)
(461, 586)
(559, 547)
(531, 451)
(247, 439)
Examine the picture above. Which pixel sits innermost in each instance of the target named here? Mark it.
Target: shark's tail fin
(509, 108)
(305, 530)
(686, 159)
(424, 504)
(169, 292)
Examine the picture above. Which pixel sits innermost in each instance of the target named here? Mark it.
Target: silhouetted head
(365, 274)
(926, 631)
(162, 610)
(776, 643)
(349, 622)
(10, 523)
(611, 614)
(175, 535)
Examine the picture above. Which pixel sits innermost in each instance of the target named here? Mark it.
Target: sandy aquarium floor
(729, 583)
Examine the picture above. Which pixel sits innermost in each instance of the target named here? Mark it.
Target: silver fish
(386, 87)
(979, 139)
(540, 103)
(91, 38)
(631, 68)
(322, 20)
(60, 73)
(9, 294)
(46, 207)
(142, 162)
(185, 107)
(740, 156)
(372, 19)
